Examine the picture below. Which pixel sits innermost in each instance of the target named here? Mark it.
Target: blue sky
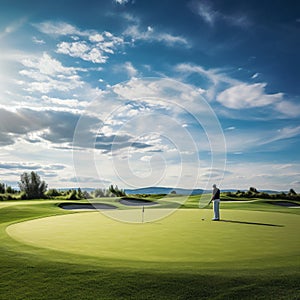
(142, 93)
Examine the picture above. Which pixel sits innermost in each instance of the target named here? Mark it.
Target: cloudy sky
(143, 93)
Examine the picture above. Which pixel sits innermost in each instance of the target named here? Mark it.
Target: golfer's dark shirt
(217, 195)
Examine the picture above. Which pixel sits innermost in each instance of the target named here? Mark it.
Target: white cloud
(73, 103)
(54, 85)
(47, 84)
(205, 11)
(47, 65)
(285, 133)
(149, 28)
(288, 108)
(151, 114)
(230, 128)
(255, 75)
(211, 15)
(88, 45)
(38, 41)
(216, 76)
(146, 158)
(235, 94)
(151, 35)
(262, 175)
(82, 50)
(96, 38)
(212, 78)
(131, 70)
(47, 74)
(245, 140)
(247, 96)
(128, 68)
(57, 28)
(121, 1)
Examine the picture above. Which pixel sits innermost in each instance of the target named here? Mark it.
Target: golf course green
(252, 253)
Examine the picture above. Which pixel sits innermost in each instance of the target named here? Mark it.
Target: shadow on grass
(251, 223)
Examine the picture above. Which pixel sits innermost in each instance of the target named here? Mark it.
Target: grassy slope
(34, 273)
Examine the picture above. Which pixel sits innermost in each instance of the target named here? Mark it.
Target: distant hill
(168, 190)
(164, 190)
(181, 191)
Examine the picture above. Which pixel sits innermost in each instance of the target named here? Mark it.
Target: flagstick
(143, 214)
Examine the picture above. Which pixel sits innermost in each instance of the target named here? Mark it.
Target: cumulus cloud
(128, 68)
(247, 96)
(48, 84)
(95, 49)
(58, 128)
(211, 78)
(47, 74)
(131, 70)
(47, 65)
(89, 45)
(83, 51)
(236, 94)
(52, 126)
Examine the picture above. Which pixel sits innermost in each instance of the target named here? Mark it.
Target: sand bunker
(137, 202)
(76, 206)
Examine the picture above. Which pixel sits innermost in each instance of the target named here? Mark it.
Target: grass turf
(242, 259)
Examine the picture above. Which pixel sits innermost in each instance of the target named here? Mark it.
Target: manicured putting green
(243, 236)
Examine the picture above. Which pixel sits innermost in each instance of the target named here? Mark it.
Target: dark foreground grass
(32, 273)
(50, 280)
(22, 278)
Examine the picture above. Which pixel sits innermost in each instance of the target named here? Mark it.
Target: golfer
(216, 202)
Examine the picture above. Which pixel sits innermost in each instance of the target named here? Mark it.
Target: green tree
(116, 191)
(253, 190)
(86, 195)
(292, 192)
(79, 194)
(2, 188)
(53, 193)
(72, 195)
(32, 185)
(10, 190)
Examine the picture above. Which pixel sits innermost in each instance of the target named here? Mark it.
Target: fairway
(243, 237)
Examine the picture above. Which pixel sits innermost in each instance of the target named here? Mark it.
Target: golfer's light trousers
(216, 205)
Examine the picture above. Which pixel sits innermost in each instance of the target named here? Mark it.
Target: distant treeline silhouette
(254, 193)
(33, 187)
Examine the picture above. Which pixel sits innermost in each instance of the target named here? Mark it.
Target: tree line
(33, 187)
(254, 193)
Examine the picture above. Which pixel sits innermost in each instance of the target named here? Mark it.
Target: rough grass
(29, 272)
